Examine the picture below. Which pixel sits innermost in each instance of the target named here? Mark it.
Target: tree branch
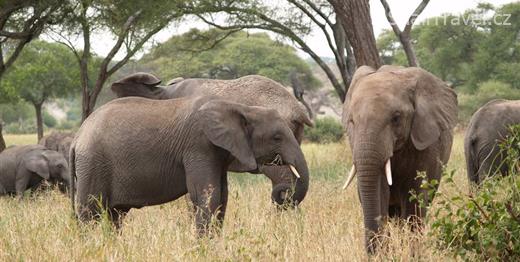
(414, 16)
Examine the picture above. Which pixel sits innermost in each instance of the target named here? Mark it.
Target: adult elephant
(58, 141)
(135, 152)
(399, 121)
(27, 167)
(250, 90)
(487, 128)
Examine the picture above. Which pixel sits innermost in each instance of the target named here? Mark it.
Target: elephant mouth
(278, 161)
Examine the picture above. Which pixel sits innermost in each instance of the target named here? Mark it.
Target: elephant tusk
(294, 171)
(388, 172)
(350, 177)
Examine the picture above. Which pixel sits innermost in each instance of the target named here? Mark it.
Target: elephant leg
(117, 215)
(224, 199)
(208, 197)
(2, 190)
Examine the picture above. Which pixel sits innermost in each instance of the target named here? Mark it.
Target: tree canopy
(226, 55)
(44, 70)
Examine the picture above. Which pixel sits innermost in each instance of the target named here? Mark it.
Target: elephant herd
(157, 143)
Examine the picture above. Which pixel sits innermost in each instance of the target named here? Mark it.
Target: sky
(401, 10)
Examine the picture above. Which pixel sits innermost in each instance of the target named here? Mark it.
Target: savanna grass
(327, 227)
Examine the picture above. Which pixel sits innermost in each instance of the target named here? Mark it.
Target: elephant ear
(360, 73)
(435, 108)
(37, 164)
(138, 84)
(227, 126)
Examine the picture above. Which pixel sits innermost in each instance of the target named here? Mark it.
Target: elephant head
(49, 165)
(138, 84)
(386, 113)
(258, 139)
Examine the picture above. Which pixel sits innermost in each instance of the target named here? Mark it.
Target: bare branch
(390, 18)
(414, 16)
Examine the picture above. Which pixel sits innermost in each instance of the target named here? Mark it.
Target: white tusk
(295, 172)
(350, 177)
(388, 172)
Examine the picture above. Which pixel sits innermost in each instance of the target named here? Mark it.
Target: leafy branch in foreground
(484, 224)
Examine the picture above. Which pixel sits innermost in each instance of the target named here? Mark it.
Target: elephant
(252, 90)
(134, 152)
(58, 141)
(27, 167)
(487, 128)
(399, 121)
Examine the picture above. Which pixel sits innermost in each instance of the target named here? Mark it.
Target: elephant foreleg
(208, 192)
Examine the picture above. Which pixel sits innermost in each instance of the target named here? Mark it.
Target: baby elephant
(26, 167)
(135, 152)
(487, 128)
(58, 141)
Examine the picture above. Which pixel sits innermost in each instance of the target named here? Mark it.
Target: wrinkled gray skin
(26, 167)
(487, 128)
(250, 90)
(135, 152)
(407, 116)
(58, 141)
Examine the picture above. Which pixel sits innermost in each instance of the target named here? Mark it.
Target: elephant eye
(277, 138)
(396, 118)
(59, 165)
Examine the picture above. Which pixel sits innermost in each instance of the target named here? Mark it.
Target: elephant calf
(26, 167)
(487, 128)
(135, 152)
(58, 141)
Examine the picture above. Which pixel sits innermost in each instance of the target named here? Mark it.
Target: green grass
(327, 227)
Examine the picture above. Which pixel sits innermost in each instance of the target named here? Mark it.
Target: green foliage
(23, 126)
(469, 103)
(13, 112)
(325, 130)
(485, 224)
(43, 70)
(468, 49)
(49, 120)
(226, 55)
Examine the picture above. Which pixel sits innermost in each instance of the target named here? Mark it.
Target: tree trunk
(2, 141)
(355, 18)
(408, 49)
(39, 119)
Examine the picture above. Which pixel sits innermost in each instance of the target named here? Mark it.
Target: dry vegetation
(327, 227)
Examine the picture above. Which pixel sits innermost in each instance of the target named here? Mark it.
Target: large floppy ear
(227, 126)
(138, 84)
(37, 164)
(435, 108)
(360, 73)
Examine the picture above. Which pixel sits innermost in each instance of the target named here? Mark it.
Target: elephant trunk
(373, 190)
(287, 187)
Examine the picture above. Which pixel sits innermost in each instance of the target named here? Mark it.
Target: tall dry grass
(327, 227)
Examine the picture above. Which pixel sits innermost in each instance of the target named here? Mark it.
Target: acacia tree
(131, 24)
(404, 36)
(293, 20)
(355, 17)
(20, 22)
(44, 70)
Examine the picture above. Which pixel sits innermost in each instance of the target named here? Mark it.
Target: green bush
(469, 103)
(484, 224)
(27, 126)
(325, 130)
(49, 120)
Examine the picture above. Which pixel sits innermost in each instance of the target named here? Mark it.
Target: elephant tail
(472, 164)
(72, 164)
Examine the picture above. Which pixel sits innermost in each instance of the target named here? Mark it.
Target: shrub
(484, 224)
(469, 103)
(27, 126)
(49, 120)
(325, 130)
